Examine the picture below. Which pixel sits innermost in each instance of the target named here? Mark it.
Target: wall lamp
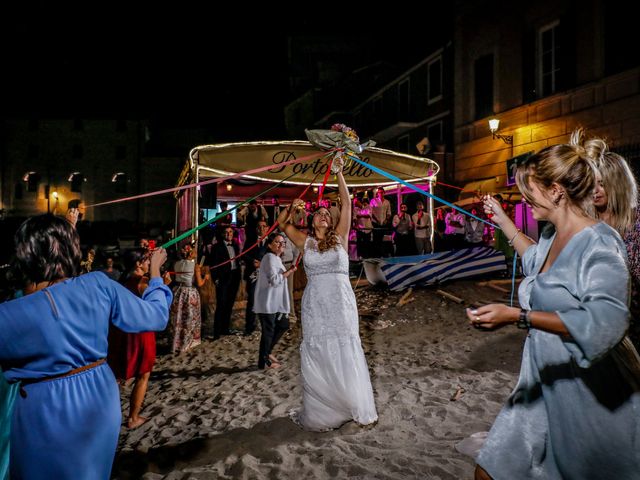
(494, 124)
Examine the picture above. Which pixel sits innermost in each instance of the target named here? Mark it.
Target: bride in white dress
(335, 375)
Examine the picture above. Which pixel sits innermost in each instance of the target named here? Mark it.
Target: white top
(422, 222)
(272, 294)
(184, 269)
(363, 222)
(380, 210)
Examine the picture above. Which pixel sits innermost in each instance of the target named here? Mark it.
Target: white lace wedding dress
(335, 376)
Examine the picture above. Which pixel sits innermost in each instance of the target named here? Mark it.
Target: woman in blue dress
(53, 340)
(573, 412)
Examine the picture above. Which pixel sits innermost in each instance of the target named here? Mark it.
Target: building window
(435, 80)
(121, 125)
(483, 86)
(120, 180)
(403, 100)
(403, 144)
(78, 125)
(76, 179)
(32, 179)
(77, 151)
(619, 54)
(434, 133)
(121, 152)
(548, 58)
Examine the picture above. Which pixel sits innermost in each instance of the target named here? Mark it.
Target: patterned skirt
(185, 321)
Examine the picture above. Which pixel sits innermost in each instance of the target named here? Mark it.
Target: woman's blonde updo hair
(622, 192)
(570, 165)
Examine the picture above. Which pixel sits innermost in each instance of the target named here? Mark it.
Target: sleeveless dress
(185, 314)
(335, 375)
(131, 354)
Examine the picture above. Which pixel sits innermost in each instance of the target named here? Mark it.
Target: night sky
(180, 65)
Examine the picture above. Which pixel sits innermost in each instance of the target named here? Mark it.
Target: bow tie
(229, 243)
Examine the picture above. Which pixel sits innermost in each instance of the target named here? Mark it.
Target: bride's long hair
(331, 238)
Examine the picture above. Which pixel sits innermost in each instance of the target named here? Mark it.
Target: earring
(557, 200)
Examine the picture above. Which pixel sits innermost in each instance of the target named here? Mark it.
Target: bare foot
(273, 365)
(273, 359)
(135, 423)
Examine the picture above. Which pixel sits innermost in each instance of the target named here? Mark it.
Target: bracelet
(518, 232)
(523, 319)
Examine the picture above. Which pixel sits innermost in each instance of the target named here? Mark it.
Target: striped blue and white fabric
(404, 272)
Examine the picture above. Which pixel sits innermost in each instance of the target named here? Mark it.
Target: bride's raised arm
(296, 236)
(342, 229)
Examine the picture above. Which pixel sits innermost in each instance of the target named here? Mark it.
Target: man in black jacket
(251, 264)
(227, 280)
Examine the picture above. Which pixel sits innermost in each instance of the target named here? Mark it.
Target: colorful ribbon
(210, 181)
(188, 233)
(419, 190)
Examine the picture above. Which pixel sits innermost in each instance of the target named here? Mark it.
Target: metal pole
(431, 184)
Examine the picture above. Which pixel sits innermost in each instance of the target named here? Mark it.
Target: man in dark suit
(251, 264)
(227, 281)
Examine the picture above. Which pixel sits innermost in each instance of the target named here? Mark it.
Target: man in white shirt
(381, 218)
(403, 226)
(422, 224)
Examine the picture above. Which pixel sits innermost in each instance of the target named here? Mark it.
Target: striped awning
(404, 272)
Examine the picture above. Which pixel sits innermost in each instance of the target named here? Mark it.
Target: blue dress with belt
(68, 427)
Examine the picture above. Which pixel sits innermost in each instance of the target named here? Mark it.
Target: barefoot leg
(137, 397)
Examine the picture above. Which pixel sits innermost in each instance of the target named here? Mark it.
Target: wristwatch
(523, 319)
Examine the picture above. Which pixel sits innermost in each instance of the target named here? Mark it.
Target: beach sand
(436, 380)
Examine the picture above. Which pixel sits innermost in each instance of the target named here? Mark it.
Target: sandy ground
(213, 414)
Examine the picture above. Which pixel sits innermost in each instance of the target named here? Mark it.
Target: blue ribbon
(418, 189)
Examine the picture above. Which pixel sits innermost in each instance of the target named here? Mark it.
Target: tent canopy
(226, 159)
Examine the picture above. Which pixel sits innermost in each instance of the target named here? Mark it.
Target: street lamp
(494, 124)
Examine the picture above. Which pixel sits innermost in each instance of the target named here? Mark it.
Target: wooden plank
(450, 296)
(404, 298)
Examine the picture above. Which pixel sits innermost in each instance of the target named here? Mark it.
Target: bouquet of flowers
(342, 139)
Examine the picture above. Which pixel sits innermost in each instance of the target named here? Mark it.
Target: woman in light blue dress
(573, 413)
(67, 417)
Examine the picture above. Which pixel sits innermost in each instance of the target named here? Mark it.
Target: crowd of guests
(379, 233)
(79, 327)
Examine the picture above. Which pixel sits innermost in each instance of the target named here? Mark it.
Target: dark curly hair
(47, 249)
